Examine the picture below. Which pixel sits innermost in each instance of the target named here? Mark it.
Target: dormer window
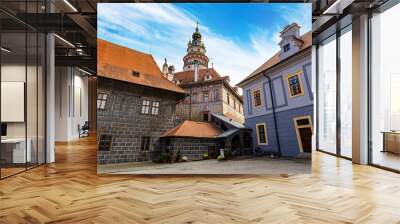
(135, 73)
(286, 47)
(208, 77)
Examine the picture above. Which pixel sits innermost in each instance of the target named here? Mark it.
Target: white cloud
(164, 30)
(299, 13)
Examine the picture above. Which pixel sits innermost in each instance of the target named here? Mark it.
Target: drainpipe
(190, 105)
(274, 113)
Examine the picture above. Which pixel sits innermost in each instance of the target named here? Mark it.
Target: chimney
(196, 71)
(292, 29)
(171, 69)
(170, 75)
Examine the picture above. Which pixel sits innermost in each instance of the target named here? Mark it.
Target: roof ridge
(261, 67)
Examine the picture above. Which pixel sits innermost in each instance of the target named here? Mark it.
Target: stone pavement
(250, 165)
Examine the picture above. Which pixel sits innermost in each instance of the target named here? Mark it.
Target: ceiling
(75, 23)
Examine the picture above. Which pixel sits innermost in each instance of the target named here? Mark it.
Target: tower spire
(197, 26)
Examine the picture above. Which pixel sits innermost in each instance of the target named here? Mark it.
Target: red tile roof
(185, 77)
(275, 59)
(118, 62)
(194, 129)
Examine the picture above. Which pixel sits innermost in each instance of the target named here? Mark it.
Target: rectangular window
(294, 85)
(227, 98)
(155, 107)
(216, 95)
(101, 101)
(262, 134)
(385, 89)
(327, 126)
(205, 96)
(105, 143)
(345, 93)
(205, 117)
(145, 143)
(305, 121)
(234, 104)
(257, 98)
(286, 47)
(194, 97)
(145, 107)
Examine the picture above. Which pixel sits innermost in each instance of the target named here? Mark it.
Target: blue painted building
(278, 100)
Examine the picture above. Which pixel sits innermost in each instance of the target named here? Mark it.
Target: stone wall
(123, 120)
(192, 148)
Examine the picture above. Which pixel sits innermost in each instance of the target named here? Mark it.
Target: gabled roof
(119, 63)
(194, 129)
(186, 77)
(275, 59)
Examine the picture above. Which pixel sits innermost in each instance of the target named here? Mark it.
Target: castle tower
(196, 53)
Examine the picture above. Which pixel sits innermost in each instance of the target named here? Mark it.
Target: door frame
(297, 127)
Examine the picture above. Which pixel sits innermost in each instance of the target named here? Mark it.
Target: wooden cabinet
(391, 142)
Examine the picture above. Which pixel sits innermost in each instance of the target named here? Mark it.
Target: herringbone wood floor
(70, 191)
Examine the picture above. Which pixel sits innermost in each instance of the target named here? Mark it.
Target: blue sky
(238, 37)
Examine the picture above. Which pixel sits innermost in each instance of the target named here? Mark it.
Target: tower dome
(196, 52)
(197, 35)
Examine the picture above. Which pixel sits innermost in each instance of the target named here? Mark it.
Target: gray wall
(122, 119)
(192, 148)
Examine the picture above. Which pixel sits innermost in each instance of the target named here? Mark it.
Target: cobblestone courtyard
(252, 165)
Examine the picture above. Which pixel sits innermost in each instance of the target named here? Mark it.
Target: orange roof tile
(194, 129)
(185, 77)
(275, 59)
(118, 62)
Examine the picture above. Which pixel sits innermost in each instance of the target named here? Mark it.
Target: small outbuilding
(193, 139)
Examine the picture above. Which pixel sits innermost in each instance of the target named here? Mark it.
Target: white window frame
(155, 107)
(102, 100)
(145, 109)
(265, 134)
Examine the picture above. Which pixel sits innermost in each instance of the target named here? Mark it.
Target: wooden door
(305, 137)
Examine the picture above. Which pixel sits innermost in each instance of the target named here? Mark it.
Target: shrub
(178, 156)
(205, 156)
(227, 153)
(219, 158)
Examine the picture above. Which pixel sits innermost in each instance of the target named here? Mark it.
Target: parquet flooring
(70, 191)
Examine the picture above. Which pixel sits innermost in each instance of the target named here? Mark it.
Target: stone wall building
(135, 104)
(195, 138)
(191, 139)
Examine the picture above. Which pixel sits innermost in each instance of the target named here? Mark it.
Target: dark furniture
(391, 141)
(84, 130)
